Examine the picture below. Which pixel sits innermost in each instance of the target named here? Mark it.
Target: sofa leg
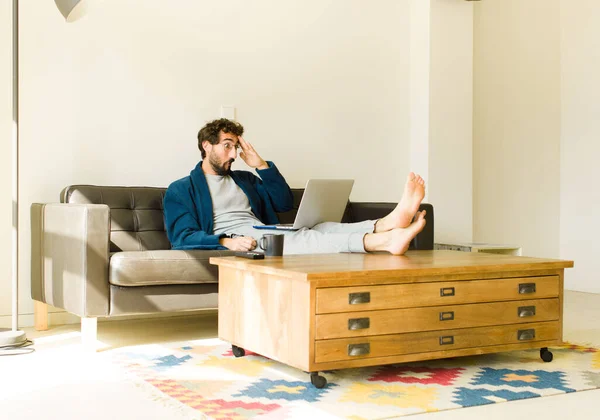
(89, 333)
(40, 315)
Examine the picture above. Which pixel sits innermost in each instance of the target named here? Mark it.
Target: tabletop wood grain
(413, 263)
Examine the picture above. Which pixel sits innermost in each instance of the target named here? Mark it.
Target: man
(215, 207)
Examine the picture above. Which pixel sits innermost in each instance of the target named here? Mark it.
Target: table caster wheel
(317, 380)
(238, 351)
(546, 355)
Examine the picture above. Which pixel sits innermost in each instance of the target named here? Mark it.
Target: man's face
(222, 155)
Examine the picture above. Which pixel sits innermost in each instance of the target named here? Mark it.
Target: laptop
(324, 200)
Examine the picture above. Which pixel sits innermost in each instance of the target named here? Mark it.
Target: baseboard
(54, 318)
(58, 317)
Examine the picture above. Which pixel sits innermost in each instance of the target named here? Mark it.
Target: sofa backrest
(137, 217)
(136, 214)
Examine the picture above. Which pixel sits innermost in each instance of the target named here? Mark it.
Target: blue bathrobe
(188, 206)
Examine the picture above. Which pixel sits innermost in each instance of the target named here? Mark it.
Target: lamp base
(12, 338)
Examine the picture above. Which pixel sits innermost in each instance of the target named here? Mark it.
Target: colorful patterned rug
(205, 376)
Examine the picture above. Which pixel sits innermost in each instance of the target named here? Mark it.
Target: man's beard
(219, 168)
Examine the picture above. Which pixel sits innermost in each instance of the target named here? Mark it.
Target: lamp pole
(9, 340)
(15, 165)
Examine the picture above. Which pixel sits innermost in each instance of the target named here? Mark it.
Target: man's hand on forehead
(243, 143)
(250, 156)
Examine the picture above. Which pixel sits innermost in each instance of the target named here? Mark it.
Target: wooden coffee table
(336, 311)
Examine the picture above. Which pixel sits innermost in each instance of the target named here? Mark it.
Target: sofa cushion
(152, 268)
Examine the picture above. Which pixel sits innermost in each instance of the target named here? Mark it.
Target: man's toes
(420, 222)
(411, 177)
(420, 215)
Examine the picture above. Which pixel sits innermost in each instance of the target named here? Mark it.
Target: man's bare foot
(402, 215)
(395, 241)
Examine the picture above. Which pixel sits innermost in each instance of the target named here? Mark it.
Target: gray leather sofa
(103, 252)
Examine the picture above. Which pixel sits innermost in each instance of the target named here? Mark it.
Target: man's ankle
(373, 242)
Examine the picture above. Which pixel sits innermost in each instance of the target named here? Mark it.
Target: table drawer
(395, 321)
(366, 298)
(398, 344)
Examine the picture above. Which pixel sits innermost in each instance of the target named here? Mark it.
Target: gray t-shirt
(231, 208)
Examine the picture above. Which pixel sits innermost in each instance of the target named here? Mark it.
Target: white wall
(517, 124)
(134, 85)
(441, 110)
(118, 97)
(580, 142)
(420, 65)
(5, 156)
(451, 120)
(322, 87)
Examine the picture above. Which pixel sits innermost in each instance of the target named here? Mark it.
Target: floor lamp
(71, 10)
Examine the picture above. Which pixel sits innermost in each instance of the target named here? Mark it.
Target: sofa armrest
(69, 257)
(359, 212)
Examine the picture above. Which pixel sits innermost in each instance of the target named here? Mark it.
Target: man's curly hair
(210, 132)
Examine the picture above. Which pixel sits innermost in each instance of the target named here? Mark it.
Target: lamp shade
(72, 9)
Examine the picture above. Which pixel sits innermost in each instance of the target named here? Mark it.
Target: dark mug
(272, 244)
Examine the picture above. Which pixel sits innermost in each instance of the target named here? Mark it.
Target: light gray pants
(324, 238)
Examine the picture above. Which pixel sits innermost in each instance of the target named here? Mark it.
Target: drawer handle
(446, 316)
(447, 291)
(447, 339)
(359, 349)
(359, 323)
(526, 288)
(523, 335)
(526, 311)
(358, 298)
